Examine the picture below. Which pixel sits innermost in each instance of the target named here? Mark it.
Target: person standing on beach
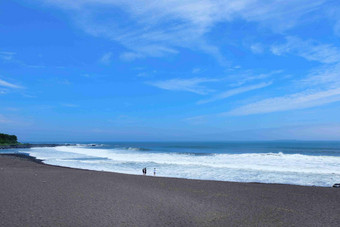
(154, 171)
(144, 171)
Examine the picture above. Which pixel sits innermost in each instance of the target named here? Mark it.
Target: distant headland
(11, 142)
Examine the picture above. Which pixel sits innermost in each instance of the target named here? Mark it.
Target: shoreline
(41, 162)
(33, 194)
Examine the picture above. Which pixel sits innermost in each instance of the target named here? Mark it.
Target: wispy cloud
(106, 58)
(6, 56)
(235, 91)
(300, 100)
(197, 120)
(143, 74)
(322, 84)
(4, 120)
(8, 84)
(64, 82)
(243, 78)
(328, 75)
(11, 122)
(191, 85)
(310, 50)
(256, 48)
(130, 56)
(13, 109)
(196, 70)
(3, 91)
(157, 28)
(69, 105)
(333, 13)
(9, 57)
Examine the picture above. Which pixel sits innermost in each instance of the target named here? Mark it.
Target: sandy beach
(35, 194)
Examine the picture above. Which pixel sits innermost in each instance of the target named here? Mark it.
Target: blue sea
(289, 162)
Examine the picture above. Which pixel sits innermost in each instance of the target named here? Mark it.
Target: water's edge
(27, 157)
(307, 164)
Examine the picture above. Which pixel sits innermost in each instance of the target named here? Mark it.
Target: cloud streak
(190, 85)
(8, 85)
(241, 79)
(233, 92)
(295, 101)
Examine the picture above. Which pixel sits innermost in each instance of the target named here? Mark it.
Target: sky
(174, 70)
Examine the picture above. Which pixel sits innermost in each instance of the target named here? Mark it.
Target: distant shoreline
(15, 146)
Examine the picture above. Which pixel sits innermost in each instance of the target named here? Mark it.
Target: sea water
(301, 163)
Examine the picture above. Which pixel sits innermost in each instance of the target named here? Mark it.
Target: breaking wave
(246, 167)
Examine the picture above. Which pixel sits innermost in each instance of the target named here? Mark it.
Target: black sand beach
(34, 194)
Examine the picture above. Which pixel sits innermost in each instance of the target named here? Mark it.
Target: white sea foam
(247, 167)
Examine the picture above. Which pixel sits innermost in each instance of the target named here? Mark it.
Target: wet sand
(34, 194)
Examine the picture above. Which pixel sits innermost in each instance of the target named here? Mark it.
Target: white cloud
(8, 85)
(235, 91)
(301, 100)
(191, 85)
(310, 50)
(106, 58)
(156, 28)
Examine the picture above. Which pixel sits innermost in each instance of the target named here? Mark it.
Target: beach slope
(33, 194)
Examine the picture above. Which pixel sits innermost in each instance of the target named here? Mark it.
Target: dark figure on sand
(144, 171)
(154, 171)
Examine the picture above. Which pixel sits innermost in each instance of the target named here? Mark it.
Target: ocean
(299, 163)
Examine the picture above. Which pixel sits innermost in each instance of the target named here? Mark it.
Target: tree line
(8, 139)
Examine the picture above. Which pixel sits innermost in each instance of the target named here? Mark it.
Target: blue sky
(110, 70)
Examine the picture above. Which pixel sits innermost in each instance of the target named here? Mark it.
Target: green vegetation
(6, 139)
